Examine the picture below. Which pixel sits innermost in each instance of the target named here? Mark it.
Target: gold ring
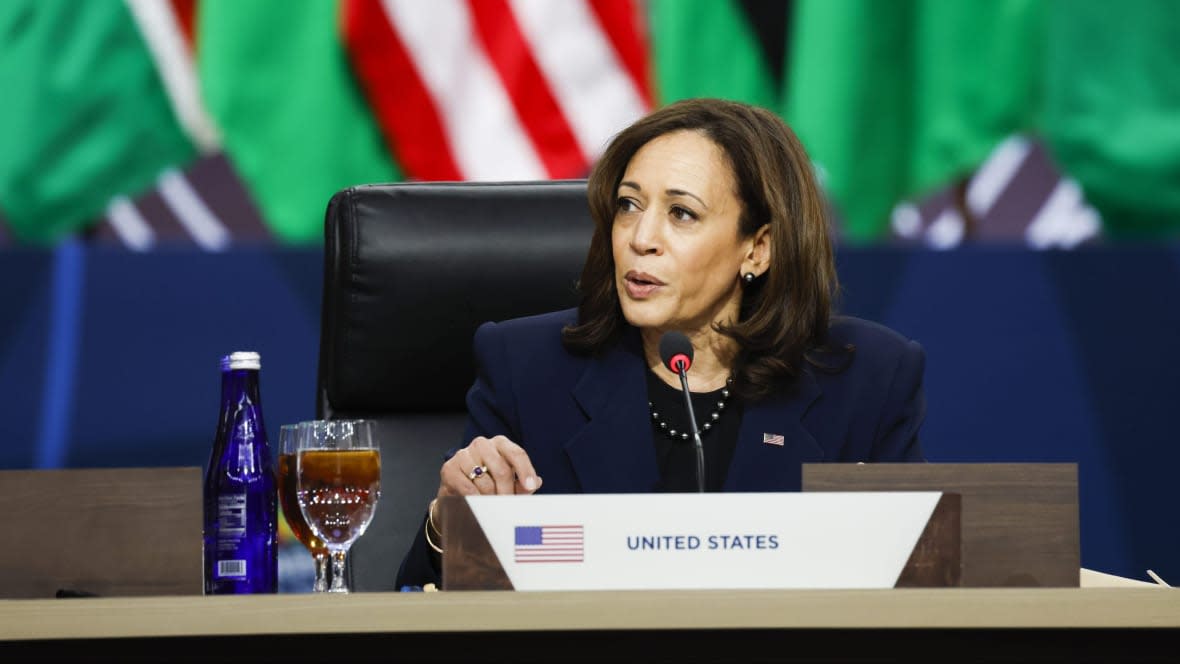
(477, 472)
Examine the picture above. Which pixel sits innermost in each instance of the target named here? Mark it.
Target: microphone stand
(692, 421)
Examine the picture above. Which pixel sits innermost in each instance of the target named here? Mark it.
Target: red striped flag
(499, 89)
(550, 544)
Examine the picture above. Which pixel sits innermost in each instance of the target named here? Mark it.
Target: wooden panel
(468, 561)
(110, 532)
(936, 561)
(1019, 520)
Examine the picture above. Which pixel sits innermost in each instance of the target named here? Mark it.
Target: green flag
(895, 98)
(85, 116)
(711, 48)
(276, 80)
(1112, 109)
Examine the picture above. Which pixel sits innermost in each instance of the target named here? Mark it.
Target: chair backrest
(410, 271)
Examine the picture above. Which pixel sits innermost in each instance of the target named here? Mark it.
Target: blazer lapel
(768, 466)
(613, 452)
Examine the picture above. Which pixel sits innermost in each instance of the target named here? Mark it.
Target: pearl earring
(749, 277)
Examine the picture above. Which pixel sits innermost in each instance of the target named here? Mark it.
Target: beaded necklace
(662, 426)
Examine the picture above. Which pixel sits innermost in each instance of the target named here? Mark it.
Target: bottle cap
(241, 360)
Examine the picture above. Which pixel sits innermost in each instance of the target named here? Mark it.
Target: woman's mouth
(640, 285)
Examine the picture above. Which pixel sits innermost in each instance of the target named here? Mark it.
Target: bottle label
(231, 516)
(231, 569)
(231, 532)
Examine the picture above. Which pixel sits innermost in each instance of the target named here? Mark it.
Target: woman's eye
(683, 213)
(626, 205)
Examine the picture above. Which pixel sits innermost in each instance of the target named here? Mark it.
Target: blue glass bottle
(241, 510)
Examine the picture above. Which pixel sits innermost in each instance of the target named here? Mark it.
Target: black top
(677, 459)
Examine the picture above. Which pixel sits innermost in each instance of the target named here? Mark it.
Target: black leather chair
(410, 271)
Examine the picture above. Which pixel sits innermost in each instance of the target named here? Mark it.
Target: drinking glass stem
(321, 573)
(338, 584)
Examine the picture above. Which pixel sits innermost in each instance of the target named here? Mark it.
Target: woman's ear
(758, 255)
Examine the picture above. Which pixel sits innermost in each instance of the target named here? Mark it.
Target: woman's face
(677, 251)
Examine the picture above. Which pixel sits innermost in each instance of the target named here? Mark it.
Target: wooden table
(879, 625)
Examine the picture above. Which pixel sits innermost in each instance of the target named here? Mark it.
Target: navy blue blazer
(585, 423)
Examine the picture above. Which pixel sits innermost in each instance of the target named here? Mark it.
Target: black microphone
(676, 354)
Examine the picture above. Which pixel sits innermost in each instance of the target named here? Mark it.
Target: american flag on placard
(550, 544)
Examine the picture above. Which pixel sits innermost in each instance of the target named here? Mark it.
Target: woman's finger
(500, 472)
(526, 479)
(481, 456)
(453, 480)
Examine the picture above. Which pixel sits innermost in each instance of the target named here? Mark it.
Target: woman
(707, 221)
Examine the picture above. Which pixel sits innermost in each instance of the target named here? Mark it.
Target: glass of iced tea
(338, 470)
(287, 483)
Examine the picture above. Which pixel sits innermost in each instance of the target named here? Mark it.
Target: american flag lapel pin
(773, 439)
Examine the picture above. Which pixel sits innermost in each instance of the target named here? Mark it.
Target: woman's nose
(645, 237)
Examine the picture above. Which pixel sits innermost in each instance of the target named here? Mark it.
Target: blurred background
(1004, 180)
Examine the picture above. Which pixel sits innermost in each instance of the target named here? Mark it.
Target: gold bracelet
(430, 519)
(426, 530)
(430, 526)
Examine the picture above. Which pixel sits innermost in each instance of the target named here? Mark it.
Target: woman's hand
(488, 466)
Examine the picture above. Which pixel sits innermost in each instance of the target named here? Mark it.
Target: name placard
(695, 541)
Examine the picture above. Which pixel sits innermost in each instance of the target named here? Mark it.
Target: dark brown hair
(784, 313)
